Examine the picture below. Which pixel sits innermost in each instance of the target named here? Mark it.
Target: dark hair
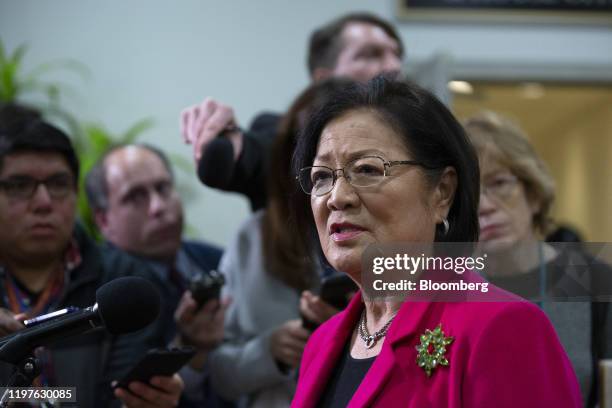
(285, 254)
(429, 130)
(22, 129)
(326, 42)
(96, 185)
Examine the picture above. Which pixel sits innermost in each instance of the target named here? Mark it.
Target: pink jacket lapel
(402, 328)
(328, 349)
(330, 344)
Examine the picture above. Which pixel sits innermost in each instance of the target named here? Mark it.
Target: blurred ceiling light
(460, 87)
(531, 90)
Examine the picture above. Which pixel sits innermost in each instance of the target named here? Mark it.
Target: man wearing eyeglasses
(47, 264)
(138, 210)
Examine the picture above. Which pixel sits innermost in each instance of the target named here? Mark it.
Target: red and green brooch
(431, 352)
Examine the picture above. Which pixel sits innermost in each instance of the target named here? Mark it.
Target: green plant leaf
(130, 135)
(13, 83)
(3, 57)
(74, 127)
(99, 138)
(8, 82)
(60, 89)
(18, 54)
(52, 91)
(181, 162)
(66, 64)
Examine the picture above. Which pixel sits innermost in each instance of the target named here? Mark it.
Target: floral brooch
(431, 352)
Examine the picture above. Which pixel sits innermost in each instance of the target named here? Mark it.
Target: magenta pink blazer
(504, 354)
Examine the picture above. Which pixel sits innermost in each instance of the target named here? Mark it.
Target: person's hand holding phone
(161, 392)
(315, 309)
(288, 341)
(200, 327)
(10, 323)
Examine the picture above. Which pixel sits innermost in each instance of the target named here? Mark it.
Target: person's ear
(444, 193)
(101, 219)
(321, 73)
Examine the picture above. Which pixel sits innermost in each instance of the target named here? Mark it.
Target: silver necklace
(371, 339)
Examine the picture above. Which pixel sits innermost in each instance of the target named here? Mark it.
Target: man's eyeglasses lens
(23, 188)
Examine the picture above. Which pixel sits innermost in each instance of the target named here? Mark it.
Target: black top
(569, 276)
(345, 380)
(79, 361)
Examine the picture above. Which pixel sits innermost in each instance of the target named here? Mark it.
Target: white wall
(153, 57)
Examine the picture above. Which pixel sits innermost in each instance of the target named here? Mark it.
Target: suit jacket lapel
(329, 351)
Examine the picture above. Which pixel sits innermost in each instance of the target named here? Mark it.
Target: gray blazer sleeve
(243, 364)
(241, 369)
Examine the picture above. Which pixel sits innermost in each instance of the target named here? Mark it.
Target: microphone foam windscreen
(217, 163)
(127, 304)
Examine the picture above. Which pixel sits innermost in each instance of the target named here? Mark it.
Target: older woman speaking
(385, 163)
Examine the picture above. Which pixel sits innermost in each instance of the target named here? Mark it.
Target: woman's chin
(498, 244)
(349, 265)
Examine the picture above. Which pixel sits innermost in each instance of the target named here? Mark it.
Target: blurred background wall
(151, 58)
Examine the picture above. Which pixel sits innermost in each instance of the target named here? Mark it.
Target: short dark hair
(429, 131)
(96, 185)
(326, 43)
(22, 129)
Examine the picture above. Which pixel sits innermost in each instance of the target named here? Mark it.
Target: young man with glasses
(47, 264)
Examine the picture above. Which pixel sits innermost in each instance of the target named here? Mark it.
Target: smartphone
(161, 361)
(337, 290)
(50, 316)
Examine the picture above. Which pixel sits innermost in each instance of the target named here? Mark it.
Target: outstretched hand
(200, 124)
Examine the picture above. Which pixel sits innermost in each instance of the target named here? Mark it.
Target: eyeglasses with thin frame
(364, 171)
(500, 186)
(23, 187)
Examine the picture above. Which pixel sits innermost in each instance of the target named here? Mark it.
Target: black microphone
(217, 163)
(122, 305)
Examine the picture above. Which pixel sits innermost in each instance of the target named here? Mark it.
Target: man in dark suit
(137, 209)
